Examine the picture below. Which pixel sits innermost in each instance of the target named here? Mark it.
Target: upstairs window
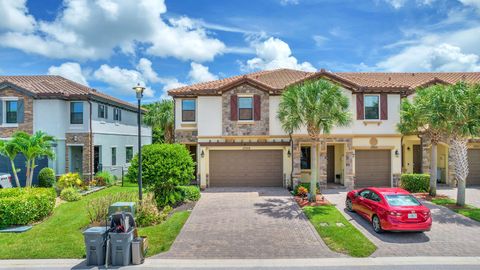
(372, 107)
(128, 153)
(102, 111)
(11, 112)
(117, 114)
(188, 110)
(305, 159)
(245, 108)
(76, 112)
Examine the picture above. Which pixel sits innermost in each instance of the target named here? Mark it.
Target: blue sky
(111, 45)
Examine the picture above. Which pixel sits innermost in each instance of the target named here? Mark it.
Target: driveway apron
(451, 235)
(236, 223)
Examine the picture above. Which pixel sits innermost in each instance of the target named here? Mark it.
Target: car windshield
(402, 200)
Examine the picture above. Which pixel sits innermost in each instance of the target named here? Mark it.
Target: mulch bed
(427, 197)
(320, 200)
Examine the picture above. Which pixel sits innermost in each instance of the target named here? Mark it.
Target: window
(402, 200)
(117, 114)
(188, 110)
(374, 197)
(245, 108)
(365, 193)
(76, 112)
(102, 111)
(305, 159)
(114, 156)
(11, 110)
(128, 153)
(372, 108)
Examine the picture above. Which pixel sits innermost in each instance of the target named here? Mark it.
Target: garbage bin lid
(95, 230)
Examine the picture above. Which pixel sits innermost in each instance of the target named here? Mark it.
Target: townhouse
(231, 128)
(93, 131)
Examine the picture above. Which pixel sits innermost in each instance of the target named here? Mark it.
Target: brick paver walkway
(262, 223)
(451, 234)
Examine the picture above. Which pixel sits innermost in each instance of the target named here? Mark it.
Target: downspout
(174, 119)
(91, 142)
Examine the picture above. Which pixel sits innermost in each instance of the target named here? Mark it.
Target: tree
(10, 150)
(33, 146)
(317, 105)
(161, 117)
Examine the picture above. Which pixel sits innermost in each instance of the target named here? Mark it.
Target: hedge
(189, 193)
(415, 182)
(24, 206)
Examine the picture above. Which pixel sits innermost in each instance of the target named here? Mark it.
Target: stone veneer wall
(27, 124)
(186, 136)
(234, 128)
(348, 178)
(87, 163)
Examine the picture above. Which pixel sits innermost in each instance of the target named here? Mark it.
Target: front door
(417, 158)
(330, 164)
(76, 160)
(96, 159)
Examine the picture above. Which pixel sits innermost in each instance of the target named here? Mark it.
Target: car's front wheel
(349, 205)
(377, 226)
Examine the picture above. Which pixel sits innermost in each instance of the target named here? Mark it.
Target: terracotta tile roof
(52, 86)
(279, 79)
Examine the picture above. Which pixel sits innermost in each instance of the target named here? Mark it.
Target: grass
(344, 239)
(60, 235)
(467, 210)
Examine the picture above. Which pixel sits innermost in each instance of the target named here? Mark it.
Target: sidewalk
(323, 263)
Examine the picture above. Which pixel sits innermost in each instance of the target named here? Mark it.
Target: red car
(389, 209)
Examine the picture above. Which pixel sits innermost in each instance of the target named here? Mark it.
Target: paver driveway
(472, 194)
(239, 223)
(451, 234)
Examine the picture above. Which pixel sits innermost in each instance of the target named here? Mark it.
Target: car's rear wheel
(349, 205)
(377, 226)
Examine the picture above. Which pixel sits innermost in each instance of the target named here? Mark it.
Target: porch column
(349, 159)
(296, 156)
(322, 165)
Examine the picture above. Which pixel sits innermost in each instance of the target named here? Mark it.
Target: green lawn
(345, 239)
(60, 235)
(467, 210)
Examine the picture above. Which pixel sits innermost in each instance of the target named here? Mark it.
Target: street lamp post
(139, 90)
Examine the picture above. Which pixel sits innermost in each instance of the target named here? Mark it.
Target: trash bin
(139, 249)
(120, 248)
(128, 207)
(95, 245)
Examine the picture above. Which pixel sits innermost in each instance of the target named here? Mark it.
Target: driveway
(451, 234)
(238, 223)
(472, 194)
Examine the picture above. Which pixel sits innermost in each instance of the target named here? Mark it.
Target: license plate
(412, 215)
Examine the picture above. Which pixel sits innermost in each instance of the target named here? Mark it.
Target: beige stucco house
(231, 128)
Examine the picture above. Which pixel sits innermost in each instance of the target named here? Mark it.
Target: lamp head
(139, 90)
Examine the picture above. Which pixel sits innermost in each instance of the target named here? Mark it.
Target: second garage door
(246, 168)
(372, 168)
(473, 177)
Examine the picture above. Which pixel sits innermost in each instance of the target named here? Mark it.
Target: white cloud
(397, 4)
(14, 16)
(199, 73)
(319, 40)
(274, 53)
(75, 32)
(122, 80)
(145, 67)
(70, 70)
(289, 2)
(473, 3)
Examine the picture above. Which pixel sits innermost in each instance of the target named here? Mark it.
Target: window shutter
(383, 106)
(233, 108)
(1, 111)
(20, 111)
(256, 108)
(99, 108)
(119, 115)
(360, 112)
(106, 111)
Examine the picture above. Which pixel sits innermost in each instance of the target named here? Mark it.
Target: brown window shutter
(383, 106)
(256, 108)
(233, 108)
(360, 112)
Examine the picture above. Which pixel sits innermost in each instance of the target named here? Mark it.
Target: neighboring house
(231, 127)
(93, 131)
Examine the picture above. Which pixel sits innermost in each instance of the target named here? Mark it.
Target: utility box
(95, 238)
(128, 207)
(120, 248)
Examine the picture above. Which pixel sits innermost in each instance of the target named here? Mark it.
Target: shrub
(302, 191)
(415, 182)
(69, 180)
(164, 167)
(306, 186)
(70, 195)
(189, 193)
(97, 209)
(148, 213)
(24, 206)
(104, 178)
(46, 177)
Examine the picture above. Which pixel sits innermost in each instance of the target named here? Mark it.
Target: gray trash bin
(120, 248)
(95, 245)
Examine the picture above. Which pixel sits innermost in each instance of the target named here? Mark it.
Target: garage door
(372, 168)
(473, 177)
(246, 168)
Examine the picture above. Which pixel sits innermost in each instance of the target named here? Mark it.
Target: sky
(113, 45)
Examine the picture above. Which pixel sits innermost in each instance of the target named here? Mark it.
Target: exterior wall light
(202, 154)
(289, 154)
(397, 154)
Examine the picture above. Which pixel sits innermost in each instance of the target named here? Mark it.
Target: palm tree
(33, 146)
(10, 149)
(319, 106)
(160, 115)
